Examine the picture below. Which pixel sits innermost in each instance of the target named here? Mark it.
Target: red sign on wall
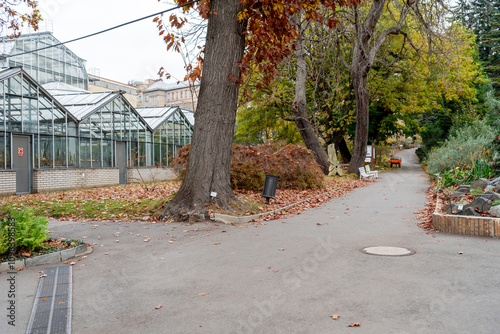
(20, 152)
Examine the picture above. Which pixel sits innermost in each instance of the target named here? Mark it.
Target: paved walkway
(288, 276)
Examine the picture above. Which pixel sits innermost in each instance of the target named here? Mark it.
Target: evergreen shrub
(463, 148)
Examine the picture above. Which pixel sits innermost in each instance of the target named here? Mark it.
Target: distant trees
(483, 18)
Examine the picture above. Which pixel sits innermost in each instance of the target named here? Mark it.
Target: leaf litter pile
(128, 202)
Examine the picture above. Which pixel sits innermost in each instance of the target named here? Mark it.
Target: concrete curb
(50, 258)
(232, 220)
(467, 225)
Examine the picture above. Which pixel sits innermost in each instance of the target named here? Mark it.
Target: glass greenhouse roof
(189, 115)
(82, 105)
(156, 116)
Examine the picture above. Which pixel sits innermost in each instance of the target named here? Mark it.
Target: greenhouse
(171, 130)
(44, 58)
(55, 139)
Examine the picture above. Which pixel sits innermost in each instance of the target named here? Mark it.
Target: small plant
(476, 192)
(495, 202)
(30, 231)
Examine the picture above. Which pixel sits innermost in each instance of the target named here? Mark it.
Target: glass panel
(46, 151)
(59, 122)
(95, 125)
(72, 152)
(28, 89)
(2, 112)
(72, 127)
(142, 154)
(37, 152)
(117, 125)
(2, 150)
(14, 85)
(84, 152)
(85, 129)
(7, 151)
(30, 118)
(107, 153)
(45, 114)
(13, 114)
(149, 154)
(133, 153)
(158, 160)
(96, 153)
(60, 151)
(107, 124)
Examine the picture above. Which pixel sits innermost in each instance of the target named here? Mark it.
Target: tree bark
(208, 168)
(299, 107)
(362, 60)
(362, 122)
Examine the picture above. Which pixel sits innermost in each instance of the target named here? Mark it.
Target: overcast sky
(133, 52)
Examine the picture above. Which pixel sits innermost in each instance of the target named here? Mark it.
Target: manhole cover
(388, 251)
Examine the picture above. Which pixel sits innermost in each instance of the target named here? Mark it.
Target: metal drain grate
(51, 312)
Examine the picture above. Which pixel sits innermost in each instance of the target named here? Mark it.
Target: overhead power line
(103, 31)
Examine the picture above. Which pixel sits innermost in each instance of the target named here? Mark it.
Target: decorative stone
(334, 163)
(482, 203)
(459, 193)
(495, 182)
(491, 195)
(495, 211)
(451, 208)
(468, 212)
(479, 184)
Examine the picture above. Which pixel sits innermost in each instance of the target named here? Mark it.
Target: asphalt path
(288, 276)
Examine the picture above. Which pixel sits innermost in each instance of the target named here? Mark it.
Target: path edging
(232, 220)
(50, 258)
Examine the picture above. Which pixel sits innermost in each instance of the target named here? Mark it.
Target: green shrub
(294, 164)
(463, 148)
(30, 231)
(495, 202)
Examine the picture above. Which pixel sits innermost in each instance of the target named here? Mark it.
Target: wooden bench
(371, 172)
(363, 175)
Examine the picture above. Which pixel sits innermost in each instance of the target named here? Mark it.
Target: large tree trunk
(210, 154)
(362, 61)
(299, 107)
(362, 121)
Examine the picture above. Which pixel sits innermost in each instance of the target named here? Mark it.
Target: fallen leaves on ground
(354, 324)
(203, 294)
(131, 202)
(335, 316)
(425, 215)
(158, 307)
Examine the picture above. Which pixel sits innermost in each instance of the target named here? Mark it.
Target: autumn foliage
(269, 38)
(294, 164)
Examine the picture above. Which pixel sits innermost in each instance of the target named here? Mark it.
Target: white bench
(371, 172)
(363, 175)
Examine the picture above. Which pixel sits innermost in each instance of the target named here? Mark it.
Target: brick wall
(7, 183)
(150, 174)
(46, 180)
(478, 226)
